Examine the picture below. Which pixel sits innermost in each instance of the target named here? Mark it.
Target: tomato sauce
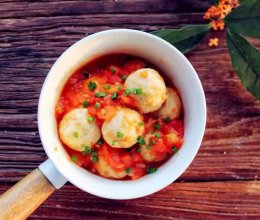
(107, 75)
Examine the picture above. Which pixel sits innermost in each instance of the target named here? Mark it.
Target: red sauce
(112, 70)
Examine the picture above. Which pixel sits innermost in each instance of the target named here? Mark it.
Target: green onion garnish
(76, 134)
(151, 170)
(97, 105)
(113, 70)
(158, 135)
(85, 104)
(86, 149)
(74, 159)
(157, 126)
(127, 91)
(91, 119)
(128, 170)
(92, 85)
(119, 134)
(168, 119)
(140, 140)
(137, 91)
(174, 149)
(140, 124)
(114, 96)
(123, 77)
(100, 94)
(106, 86)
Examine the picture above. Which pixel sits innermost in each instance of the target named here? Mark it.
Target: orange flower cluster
(216, 13)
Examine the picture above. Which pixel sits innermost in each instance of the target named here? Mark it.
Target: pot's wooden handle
(25, 196)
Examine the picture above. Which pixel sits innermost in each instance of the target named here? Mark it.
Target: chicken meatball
(122, 130)
(172, 107)
(147, 88)
(76, 129)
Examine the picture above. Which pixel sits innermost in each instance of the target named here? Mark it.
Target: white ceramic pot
(172, 62)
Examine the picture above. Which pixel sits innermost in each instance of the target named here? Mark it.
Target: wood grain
(32, 36)
(200, 200)
(23, 198)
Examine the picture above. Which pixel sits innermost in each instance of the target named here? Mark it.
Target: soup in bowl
(119, 117)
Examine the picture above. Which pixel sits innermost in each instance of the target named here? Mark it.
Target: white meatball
(76, 130)
(148, 153)
(152, 86)
(122, 130)
(172, 107)
(105, 170)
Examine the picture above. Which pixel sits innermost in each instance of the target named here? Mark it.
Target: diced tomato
(79, 158)
(172, 140)
(92, 110)
(133, 65)
(106, 113)
(149, 125)
(159, 145)
(138, 171)
(114, 79)
(127, 100)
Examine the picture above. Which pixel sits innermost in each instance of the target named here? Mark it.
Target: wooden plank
(213, 200)
(52, 8)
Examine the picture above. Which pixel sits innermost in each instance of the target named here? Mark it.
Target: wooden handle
(25, 196)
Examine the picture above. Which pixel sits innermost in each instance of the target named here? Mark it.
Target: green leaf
(186, 38)
(245, 61)
(245, 19)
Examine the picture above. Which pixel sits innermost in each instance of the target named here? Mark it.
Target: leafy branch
(242, 21)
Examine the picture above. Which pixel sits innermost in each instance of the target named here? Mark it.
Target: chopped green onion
(123, 77)
(148, 147)
(94, 157)
(137, 91)
(127, 91)
(113, 70)
(114, 142)
(92, 85)
(85, 104)
(74, 159)
(128, 170)
(152, 141)
(119, 134)
(168, 119)
(157, 126)
(158, 135)
(87, 149)
(103, 111)
(76, 134)
(174, 149)
(91, 119)
(140, 124)
(139, 149)
(100, 94)
(120, 87)
(151, 170)
(106, 86)
(140, 140)
(114, 96)
(97, 105)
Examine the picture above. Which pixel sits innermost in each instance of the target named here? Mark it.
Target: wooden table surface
(223, 180)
